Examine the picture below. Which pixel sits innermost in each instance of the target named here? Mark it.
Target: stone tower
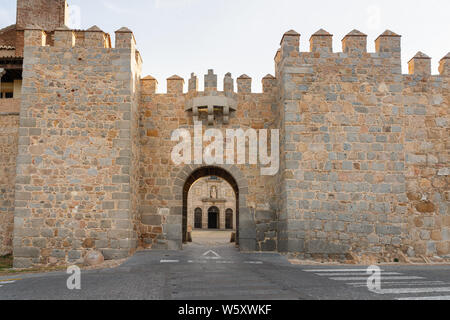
(48, 14)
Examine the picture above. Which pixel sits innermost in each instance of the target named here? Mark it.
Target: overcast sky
(242, 36)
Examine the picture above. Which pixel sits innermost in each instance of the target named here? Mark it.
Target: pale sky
(242, 36)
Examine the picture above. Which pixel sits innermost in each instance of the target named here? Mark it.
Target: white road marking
(170, 261)
(426, 298)
(224, 262)
(413, 290)
(401, 283)
(337, 270)
(385, 278)
(405, 287)
(253, 262)
(7, 282)
(211, 255)
(355, 274)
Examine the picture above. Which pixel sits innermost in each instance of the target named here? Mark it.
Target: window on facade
(229, 219)
(198, 217)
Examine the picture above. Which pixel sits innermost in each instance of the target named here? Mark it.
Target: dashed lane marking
(337, 270)
(212, 261)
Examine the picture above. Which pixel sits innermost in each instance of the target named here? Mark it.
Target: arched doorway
(206, 172)
(213, 218)
(229, 219)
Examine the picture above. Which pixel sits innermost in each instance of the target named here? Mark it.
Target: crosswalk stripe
(426, 298)
(337, 270)
(385, 278)
(355, 274)
(418, 283)
(413, 290)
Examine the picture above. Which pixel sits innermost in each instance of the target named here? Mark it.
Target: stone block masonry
(85, 163)
(368, 144)
(76, 169)
(162, 182)
(9, 126)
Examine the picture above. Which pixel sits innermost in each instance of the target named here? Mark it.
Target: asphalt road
(196, 273)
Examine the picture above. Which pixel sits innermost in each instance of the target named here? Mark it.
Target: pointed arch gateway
(190, 174)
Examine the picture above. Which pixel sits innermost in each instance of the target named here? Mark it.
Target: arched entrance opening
(213, 218)
(209, 172)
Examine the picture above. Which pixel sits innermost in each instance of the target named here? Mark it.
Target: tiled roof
(8, 28)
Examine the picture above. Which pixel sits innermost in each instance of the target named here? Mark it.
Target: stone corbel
(210, 104)
(226, 114)
(195, 112)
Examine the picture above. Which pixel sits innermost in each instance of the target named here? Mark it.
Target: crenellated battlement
(64, 37)
(386, 58)
(175, 84)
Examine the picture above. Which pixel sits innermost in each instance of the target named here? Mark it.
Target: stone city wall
(364, 160)
(9, 125)
(366, 150)
(75, 168)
